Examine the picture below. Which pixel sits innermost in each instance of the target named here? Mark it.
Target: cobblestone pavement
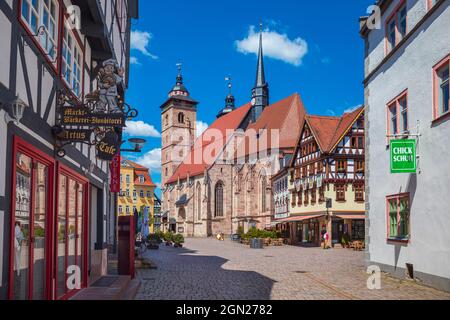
(206, 269)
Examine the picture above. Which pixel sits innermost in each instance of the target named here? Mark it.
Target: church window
(218, 207)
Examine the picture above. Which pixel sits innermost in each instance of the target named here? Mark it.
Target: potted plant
(168, 238)
(178, 240)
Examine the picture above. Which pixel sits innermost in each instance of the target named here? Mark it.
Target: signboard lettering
(403, 156)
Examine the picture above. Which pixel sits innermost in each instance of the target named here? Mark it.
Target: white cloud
(135, 61)
(140, 41)
(200, 127)
(353, 108)
(141, 129)
(151, 160)
(276, 45)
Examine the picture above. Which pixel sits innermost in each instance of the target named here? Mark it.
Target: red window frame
(65, 20)
(395, 103)
(440, 65)
(394, 15)
(55, 66)
(35, 154)
(70, 174)
(398, 197)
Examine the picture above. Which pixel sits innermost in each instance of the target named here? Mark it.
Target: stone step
(131, 290)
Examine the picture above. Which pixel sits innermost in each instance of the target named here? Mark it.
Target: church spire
(179, 89)
(260, 93)
(260, 76)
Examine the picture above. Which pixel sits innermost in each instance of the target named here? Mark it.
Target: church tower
(260, 93)
(229, 100)
(178, 116)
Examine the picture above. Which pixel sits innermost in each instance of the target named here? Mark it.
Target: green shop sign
(403, 156)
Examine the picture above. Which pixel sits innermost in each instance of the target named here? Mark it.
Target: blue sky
(313, 49)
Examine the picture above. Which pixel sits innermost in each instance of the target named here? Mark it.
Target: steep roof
(328, 131)
(286, 115)
(195, 163)
(139, 170)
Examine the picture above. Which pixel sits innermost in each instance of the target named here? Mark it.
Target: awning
(352, 216)
(298, 218)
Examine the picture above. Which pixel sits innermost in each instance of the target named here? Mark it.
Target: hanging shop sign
(114, 168)
(99, 120)
(403, 156)
(75, 135)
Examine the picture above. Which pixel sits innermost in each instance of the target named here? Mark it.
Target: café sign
(403, 156)
(98, 120)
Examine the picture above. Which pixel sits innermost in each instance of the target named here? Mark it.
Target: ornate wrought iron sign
(99, 120)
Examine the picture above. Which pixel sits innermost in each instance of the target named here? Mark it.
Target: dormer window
(141, 179)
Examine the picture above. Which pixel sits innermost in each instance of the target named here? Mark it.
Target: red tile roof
(286, 115)
(140, 171)
(195, 164)
(328, 131)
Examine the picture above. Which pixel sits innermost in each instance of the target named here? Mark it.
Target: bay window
(41, 16)
(398, 217)
(71, 62)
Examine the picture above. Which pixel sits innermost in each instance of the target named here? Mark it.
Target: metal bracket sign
(403, 156)
(98, 120)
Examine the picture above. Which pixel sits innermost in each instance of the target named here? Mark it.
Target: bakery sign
(97, 121)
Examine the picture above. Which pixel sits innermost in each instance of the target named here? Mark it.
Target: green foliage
(168, 236)
(39, 232)
(240, 231)
(256, 233)
(178, 238)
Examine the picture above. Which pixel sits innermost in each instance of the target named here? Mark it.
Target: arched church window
(199, 202)
(218, 207)
(181, 117)
(263, 195)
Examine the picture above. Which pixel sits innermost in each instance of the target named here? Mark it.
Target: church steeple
(260, 93)
(179, 89)
(229, 100)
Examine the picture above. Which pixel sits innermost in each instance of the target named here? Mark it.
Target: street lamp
(17, 110)
(138, 145)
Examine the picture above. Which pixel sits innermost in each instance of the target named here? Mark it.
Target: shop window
(40, 15)
(340, 193)
(71, 62)
(398, 217)
(396, 27)
(70, 229)
(398, 115)
(359, 193)
(441, 88)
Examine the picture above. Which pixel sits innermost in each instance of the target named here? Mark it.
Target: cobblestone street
(206, 269)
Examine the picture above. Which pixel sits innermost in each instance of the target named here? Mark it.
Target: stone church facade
(220, 181)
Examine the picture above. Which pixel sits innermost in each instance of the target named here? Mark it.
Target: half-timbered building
(54, 211)
(326, 180)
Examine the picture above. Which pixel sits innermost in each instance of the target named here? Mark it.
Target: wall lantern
(16, 112)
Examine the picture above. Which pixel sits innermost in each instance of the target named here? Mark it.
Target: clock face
(253, 101)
